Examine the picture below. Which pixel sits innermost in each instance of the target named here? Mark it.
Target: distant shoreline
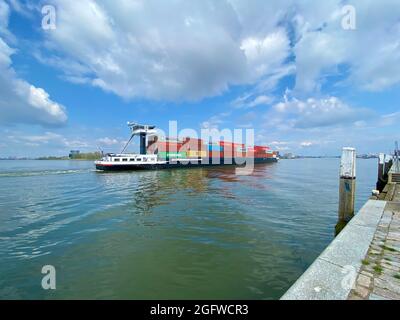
(89, 156)
(36, 159)
(326, 157)
(94, 159)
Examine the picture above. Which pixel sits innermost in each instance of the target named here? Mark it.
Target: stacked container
(233, 150)
(214, 150)
(192, 148)
(262, 152)
(169, 149)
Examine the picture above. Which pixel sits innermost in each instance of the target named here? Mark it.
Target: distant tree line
(76, 156)
(86, 156)
(52, 158)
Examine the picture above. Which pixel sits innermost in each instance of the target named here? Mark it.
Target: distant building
(368, 156)
(74, 153)
(288, 156)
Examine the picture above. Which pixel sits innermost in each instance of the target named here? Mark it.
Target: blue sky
(288, 69)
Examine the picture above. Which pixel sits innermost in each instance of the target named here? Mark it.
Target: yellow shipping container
(195, 154)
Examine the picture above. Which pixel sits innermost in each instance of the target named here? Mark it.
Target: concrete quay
(363, 261)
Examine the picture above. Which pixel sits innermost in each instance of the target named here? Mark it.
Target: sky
(310, 77)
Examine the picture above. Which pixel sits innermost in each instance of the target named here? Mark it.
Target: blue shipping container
(216, 148)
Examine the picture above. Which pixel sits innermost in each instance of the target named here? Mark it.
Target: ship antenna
(102, 153)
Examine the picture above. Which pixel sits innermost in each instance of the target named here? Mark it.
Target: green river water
(173, 234)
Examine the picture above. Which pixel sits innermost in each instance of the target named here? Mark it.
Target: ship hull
(176, 165)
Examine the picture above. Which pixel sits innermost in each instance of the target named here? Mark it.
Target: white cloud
(370, 53)
(261, 100)
(108, 141)
(49, 139)
(38, 98)
(158, 50)
(21, 102)
(4, 15)
(249, 101)
(306, 144)
(279, 145)
(190, 50)
(315, 113)
(24, 7)
(212, 123)
(390, 119)
(266, 54)
(45, 138)
(315, 54)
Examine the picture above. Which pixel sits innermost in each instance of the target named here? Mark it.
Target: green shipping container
(177, 155)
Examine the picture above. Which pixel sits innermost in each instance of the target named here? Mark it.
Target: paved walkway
(379, 277)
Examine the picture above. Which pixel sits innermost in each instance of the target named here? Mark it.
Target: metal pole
(347, 187)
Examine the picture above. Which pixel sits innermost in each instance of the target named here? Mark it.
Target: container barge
(176, 153)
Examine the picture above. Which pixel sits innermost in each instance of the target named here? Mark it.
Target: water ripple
(190, 233)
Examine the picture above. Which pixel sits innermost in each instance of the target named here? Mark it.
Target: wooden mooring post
(385, 162)
(388, 165)
(380, 184)
(347, 187)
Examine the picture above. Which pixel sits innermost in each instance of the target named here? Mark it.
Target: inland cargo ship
(177, 153)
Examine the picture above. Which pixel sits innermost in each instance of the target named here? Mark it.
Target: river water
(173, 234)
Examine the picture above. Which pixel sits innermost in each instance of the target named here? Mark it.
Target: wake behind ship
(177, 153)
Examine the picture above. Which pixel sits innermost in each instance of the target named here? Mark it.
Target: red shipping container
(261, 148)
(167, 146)
(228, 149)
(193, 144)
(227, 153)
(250, 152)
(231, 144)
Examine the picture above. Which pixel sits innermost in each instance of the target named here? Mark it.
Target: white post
(347, 187)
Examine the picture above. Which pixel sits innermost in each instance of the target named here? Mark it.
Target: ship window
(116, 160)
(139, 159)
(124, 160)
(132, 159)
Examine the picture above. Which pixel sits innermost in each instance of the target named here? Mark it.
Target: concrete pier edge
(333, 274)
